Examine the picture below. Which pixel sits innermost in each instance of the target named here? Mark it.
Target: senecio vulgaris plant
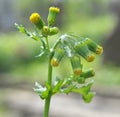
(72, 46)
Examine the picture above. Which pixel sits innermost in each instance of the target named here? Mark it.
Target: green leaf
(57, 86)
(68, 89)
(33, 36)
(42, 91)
(22, 29)
(42, 52)
(87, 98)
(84, 90)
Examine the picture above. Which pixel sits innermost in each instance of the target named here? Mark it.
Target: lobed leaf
(84, 90)
(42, 91)
(57, 86)
(68, 89)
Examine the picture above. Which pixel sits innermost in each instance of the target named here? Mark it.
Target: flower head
(58, 55)
(76, 65)
(53, 31)
(36, 19)
(53, 11)
(77, 71)
(93, 46)
(88, 73)
(54, 62)
(90, 57)
(99, 50)
(45, 30)
(82, 49)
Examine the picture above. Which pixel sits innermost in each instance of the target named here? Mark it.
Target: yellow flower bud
(88, 73)
(58, 55)
(82, 49)
(53, 31)
(76, 65)
(90, 57)
(99, 50)
(93, 46)
(45, 30)
(53, 11)
(54, 62)
(35, 18)
(77, 71)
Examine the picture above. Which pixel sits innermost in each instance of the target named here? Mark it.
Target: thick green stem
(47, 106)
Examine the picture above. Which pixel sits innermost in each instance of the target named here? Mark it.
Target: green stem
(56, 43)
(47, 106)
(47, 101)
(47, 43)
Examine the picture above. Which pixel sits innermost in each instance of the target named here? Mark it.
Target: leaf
(85, 91)
(22, 29)
(68, 89)
(68, 81)
(42, 52)
(37, 85)
(87, 98)
(33, 36)
(57, 86)
(42, 91)
(48, 86)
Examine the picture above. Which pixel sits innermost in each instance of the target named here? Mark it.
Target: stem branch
(47, 43)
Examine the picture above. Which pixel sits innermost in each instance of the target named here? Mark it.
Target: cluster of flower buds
(77, 68)
(72, 46)
(36, 19)
(49, 31)
(85, 48)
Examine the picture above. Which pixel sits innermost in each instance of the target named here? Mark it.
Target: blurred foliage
(89, 18)
(86, 18)
(15, 51)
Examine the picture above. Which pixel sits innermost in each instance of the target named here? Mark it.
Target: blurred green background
(18, 61)
(86, 18)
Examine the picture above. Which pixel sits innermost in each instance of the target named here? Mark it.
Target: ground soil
(25, 103)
